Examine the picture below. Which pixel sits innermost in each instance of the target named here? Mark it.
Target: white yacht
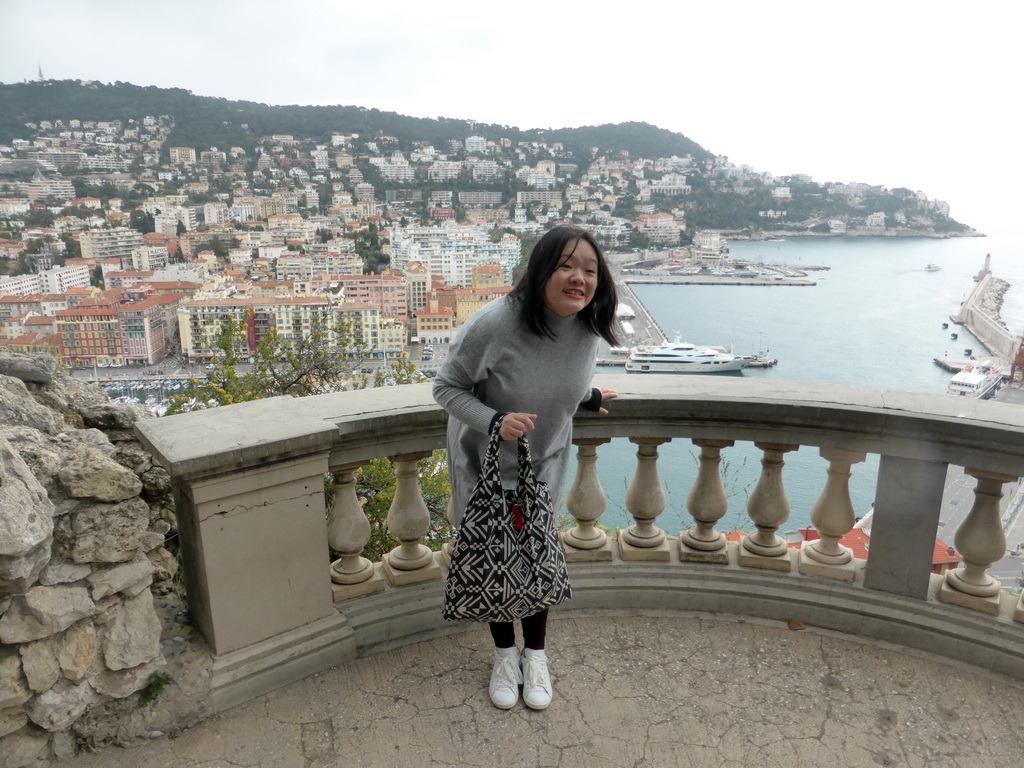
(977, 381)
(682, 357)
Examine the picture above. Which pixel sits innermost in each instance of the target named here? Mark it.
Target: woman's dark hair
(545, 258)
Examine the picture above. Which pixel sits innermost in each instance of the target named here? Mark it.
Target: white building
(452, 251)
(476, 144)
(148, 258)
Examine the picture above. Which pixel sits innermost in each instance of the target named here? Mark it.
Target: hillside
(629, 170)
(203, 120)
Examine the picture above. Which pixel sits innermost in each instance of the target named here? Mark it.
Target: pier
(645, 328)
(760, 282)
(979, 314)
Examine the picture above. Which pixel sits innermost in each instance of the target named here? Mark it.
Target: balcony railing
(251, 515)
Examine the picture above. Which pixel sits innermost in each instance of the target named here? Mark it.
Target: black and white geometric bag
(507, 561)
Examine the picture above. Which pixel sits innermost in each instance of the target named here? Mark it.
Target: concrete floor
(650, 689)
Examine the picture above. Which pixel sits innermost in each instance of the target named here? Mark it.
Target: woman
(527, 361)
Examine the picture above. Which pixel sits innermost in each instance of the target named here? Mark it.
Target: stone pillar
(586, 503)
(908, 500)
(254, 550)
(409, 522)
(980, 541)
(353, 575)
(768, 507)
(833, 517)
(707, 503)
(645, 500)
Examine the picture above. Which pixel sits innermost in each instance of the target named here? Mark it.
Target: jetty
(979, 314)
(641, 329)
(681, 279)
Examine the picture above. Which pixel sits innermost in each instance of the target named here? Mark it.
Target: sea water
(874, 318)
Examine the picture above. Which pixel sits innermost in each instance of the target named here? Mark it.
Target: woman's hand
(515, 425)
(607, 394)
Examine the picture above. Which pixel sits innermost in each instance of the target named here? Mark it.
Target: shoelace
(537, 674)
(507, 673)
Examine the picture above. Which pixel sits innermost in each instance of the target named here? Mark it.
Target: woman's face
(571, 286)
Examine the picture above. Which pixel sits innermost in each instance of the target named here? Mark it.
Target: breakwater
(979, 313)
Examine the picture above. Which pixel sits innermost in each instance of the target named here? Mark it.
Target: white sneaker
(536, 680)
(506, 677)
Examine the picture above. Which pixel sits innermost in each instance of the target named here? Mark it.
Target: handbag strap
(490, 468)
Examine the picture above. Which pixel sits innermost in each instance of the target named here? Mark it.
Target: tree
(140, 220)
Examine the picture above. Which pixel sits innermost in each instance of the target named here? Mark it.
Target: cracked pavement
(648, 689)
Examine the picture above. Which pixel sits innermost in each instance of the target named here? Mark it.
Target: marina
(875, 319)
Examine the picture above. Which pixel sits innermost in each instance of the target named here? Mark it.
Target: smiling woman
(571, 287)
(523, 366)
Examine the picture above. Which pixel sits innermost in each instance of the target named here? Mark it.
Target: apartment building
(41, 188)
(476, 144)
(102, 244)
(488, 276)
(444, 170)
(452, 251)
(149, 258)
(474, 197)
(468, 301)
(56, 280)
(183, 155)
(435, 323)
(417, 281)
(387, 292)
(294, 319)
(146, 328)
(89, 335)
(659, 227)
(305, 266)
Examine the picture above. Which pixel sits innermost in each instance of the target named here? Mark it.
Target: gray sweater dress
(496, 364)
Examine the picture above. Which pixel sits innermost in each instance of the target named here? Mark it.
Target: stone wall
(89, 607)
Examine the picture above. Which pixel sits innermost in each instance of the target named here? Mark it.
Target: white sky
(901, 93)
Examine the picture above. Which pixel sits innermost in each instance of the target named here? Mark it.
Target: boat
(762, 360)
(682, 357)
(976, 381)
(932, 267)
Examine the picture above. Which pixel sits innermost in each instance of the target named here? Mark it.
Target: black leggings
(534, 630)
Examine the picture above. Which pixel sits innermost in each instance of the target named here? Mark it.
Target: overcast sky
(902, 93)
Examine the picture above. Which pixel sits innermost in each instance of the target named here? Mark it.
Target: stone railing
(250, 499)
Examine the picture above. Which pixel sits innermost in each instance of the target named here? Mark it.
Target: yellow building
(488, 276)
(468, 301)
(348, 327)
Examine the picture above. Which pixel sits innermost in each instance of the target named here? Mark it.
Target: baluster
(833, 517)
(586, 503)
(768, 507)
(352, 574)
(707, 503)
(409, 521)
(645, 500)
(980, 542)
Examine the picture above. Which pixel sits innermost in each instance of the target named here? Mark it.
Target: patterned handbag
(507, 562)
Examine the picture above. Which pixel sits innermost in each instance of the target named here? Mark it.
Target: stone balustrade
(250, 498)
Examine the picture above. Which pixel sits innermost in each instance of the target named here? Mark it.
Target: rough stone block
(44, 611)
